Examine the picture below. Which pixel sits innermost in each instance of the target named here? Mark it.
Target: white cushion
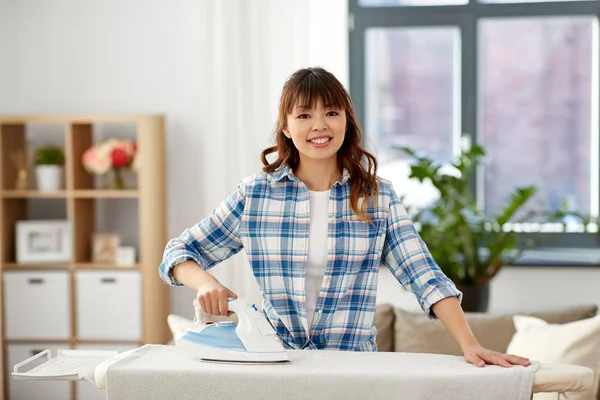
(575, 343)
(178, 325)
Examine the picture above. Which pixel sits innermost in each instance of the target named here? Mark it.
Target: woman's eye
(332, 113)
(303, 116)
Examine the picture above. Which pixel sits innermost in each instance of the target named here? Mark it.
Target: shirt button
(320, 312)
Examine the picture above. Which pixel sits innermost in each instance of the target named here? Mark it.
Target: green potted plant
(49, 162)
(469, 246)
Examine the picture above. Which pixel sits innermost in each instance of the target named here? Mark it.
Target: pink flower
(113, 153)
(96, 161)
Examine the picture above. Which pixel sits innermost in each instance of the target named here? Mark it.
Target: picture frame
(104, 247)
(44, 241)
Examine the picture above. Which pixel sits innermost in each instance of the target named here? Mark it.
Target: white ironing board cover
(164, 372)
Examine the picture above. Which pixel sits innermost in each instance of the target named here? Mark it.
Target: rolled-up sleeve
(407, 256)
(209, 242)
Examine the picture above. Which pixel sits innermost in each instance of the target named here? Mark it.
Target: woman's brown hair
(308, 86)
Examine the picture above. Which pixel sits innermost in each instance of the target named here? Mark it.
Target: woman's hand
(212, 297)
(451, 314)
(479, 356)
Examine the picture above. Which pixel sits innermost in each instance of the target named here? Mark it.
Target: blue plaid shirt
(269, 217)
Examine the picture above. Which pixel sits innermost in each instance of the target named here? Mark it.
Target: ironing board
(162, 372)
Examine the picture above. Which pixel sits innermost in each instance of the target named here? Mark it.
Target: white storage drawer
(34, 390)
(37, 305)
(109, 305)
(86, 391)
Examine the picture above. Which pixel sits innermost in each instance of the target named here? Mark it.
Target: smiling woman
(316, 224)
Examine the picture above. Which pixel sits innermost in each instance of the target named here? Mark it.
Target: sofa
(403, 331)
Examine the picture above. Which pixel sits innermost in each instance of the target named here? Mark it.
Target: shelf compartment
(13, 210)
(119, 290)
(84, 221)
(26, 209)
(80, 138)
(12, 140)
(38, 305)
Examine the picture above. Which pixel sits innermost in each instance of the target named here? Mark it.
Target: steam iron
(252, 340)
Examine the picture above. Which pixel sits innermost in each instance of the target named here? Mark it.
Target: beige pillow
(414, 333)
(384, 321)
(576, 343)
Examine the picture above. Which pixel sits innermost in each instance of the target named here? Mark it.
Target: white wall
(8, 55)
(517, 289)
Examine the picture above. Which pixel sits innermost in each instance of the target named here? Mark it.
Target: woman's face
(318, 133)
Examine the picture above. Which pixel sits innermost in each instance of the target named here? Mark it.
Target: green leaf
(419, 172)
(454, 228)
(517, 199)
(49, 155)
(477, 151)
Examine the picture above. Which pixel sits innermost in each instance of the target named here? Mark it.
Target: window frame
(466, 17)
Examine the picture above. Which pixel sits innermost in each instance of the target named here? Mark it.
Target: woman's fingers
(214, 301)
(480, 356)
(208, 303)
(223, 305)
(516, 360)
(475, 360)
(499, 360)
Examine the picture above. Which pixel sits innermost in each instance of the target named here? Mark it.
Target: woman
(316, 224)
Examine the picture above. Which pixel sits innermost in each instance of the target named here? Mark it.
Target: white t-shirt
(317, 249)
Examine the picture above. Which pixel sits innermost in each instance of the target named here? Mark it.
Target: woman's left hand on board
(480, 356)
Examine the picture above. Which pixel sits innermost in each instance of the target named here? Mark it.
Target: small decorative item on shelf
(111, 158)
(41, 242)
(49, 161)
(125, 256)
(20, 162)
(104, 247)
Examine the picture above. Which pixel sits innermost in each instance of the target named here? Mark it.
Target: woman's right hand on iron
(213, 298)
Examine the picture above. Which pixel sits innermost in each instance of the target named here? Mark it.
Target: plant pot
(49, 177)
(475, 297)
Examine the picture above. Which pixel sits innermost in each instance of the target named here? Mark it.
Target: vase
(49, 177)
(475, 297)
(114, 179)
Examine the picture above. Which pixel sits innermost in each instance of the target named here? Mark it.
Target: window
(426, 63)
(521, 78)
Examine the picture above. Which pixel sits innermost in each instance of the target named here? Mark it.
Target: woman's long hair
(307, 87)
